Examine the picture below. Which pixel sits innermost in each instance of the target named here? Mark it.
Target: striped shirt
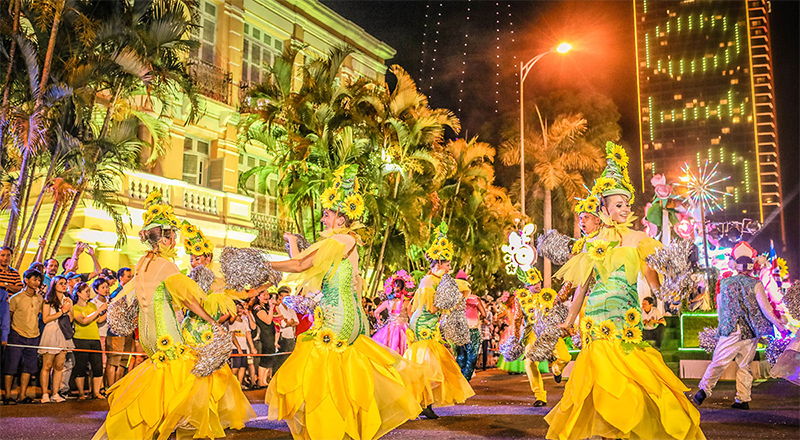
(11, 277)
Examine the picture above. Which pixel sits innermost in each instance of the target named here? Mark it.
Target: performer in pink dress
(393, 332)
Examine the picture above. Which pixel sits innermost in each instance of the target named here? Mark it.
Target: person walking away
(24, 308)
(87, 337)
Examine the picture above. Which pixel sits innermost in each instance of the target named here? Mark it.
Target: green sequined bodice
(160, 321)
(341, 304)
(610, 300)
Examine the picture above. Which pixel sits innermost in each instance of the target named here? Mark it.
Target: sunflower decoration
(344, 196)
(207, 336)
(618, 155)
(425, 334)
(588, 205)
(339, 346)
(632, 335)
(194, 241)
(442, 248)
(158, 213)
(603, 184)
(598, 249)
(577, 247)
(632, 317)
(587, 325)
(782, 268)
(182, 351)
(159, 358)
(587, 339)
(533, 276)
(318, 317)
(606, 330)
(410, 336)
(325, 339)
(547, 297)
(165, 343)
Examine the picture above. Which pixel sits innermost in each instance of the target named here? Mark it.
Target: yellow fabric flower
(587, 325)
(318, 317)
(339, 346)
(208, 246)
(207, 336)
(188, 230)
(329, 198)
(410, 336)
(606, 330)
(325, 339)
(182, 351)
(424, 334)
(530, 310)
(580, 206)
(604, 184)
(165, 342)
(547, 297)
(155, 210)
(591, 204)
(152, 197)
(618, 155)
(632, 335)
(523, 294)
(578, 246)
(598, 249)
(632, 317)
(197, 249)
(159, 358)
(447, 256)
(173, 221)
(339, 173)
(587, 339)
(354, 206)
(533, 276)
(783, 269)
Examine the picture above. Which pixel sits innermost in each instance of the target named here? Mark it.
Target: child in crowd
(87, 337)
(24, 308)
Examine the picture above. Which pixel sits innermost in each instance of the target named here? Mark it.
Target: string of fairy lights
(464, 57)
(497, 58)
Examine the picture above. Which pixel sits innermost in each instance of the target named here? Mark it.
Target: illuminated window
(258, 51)
(205, 33)
(262, 190)
(723, 101)
(715, 141)
(726, 130)
(735, 81)
(736, 119)
(677, 97)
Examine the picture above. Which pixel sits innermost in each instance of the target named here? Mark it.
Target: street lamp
(524, 69)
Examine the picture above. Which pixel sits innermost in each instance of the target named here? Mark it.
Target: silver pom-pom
(775, 348)
(247, 268)
(511, 349)
(302, 305)
(211, 356)
(447, 294)
(672, 261)
(123, 317)
(547, 334)
(302, 244)
(454, 326)
(203, 276)
(554, 246)
(708, 339)
(577, 341)
(792, 299)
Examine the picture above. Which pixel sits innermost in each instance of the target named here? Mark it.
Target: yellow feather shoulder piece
(183, 290)
(327, 254)
(423, 297)
(577, 269)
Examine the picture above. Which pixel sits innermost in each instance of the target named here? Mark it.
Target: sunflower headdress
(615, 179)
(158, 213)
(344, 195)
(590, 204)
(194, 241)
(442, 248)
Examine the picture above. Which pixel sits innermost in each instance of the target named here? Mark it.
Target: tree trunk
(548, 224)
(31, 225)
(65, 225)
(51, 251)
(11, 56)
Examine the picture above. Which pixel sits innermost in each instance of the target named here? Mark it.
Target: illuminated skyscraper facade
(706, 93)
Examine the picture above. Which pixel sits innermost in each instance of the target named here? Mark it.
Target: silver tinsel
(454, 326)
(708, 339)
(672, 261)
(511, 349)
(211, 356)
(547, 334)
(775, 348)
(203, 276)
(554, 246)
(447, 294)
(792, 299)
(302, 244)
(303, 305)
(247, 268)
(123, 317)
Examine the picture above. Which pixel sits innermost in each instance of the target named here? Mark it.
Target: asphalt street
(502, 409)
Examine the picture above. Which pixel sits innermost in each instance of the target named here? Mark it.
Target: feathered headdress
(344, 195)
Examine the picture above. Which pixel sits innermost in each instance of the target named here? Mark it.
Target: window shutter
(190, 167)
(216, 170)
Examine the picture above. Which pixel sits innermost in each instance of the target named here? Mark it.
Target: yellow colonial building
(199, 174)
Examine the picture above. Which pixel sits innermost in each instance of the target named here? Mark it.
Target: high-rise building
(706, 93)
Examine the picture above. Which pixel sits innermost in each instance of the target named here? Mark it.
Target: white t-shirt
(239, 331)
(654, 315)
(102, 327)
(287, 314)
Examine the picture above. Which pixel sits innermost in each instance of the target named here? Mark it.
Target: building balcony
(270, 232)
(212, 81)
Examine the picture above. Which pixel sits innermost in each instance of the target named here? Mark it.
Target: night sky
(603, 61)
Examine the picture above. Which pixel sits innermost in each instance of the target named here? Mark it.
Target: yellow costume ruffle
(155, 399)
(328, 254)
(362, 392)
(579, 267)
(447, 385)
(618, 395)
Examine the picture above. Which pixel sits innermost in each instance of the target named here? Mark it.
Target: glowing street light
(524, 69)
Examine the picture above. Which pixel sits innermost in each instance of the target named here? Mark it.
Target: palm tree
(559, 159)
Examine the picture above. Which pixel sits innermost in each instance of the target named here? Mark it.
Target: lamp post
(524, 69)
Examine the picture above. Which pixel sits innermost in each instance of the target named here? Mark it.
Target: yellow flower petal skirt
(154, 400)
(616, 395)
(447, 385)
(361, 392)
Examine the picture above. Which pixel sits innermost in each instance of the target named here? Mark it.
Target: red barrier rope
(135, 353)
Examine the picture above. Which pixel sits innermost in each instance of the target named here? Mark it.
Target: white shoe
(57, 398)
(45, 398)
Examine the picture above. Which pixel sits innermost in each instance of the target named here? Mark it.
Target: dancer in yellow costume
(447, 385)
(168, 392)
(619, 386)
(338, 383)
